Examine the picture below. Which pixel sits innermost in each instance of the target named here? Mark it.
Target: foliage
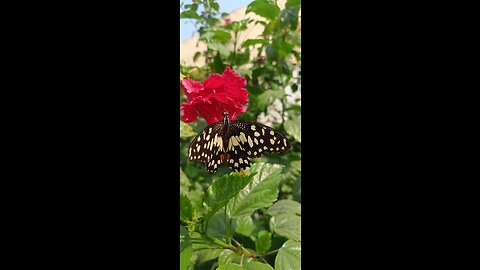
(249, 220)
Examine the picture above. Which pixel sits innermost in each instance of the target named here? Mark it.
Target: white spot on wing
(255, 140)
(242, 137)
(272, 141)
(256, 134)
(250, 141)
(261, 140)
(252, 127)
(272, 133)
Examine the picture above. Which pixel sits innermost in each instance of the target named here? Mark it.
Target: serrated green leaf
(264, 9)
(293, 127)
(289, 17)
(262, 191)
(287, 225)
(250, 42)
(186, 249)
(185, 208)
(222, 190)
(245, 225)
(263, 242)
(284, 207)
(186, 131)
(289, 256)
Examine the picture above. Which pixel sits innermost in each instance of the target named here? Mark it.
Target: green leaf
(228, 257)
(272, 53)
(293, 3)
(216, 225)
(186, 249)
(297, 190)
(251, 42)
(261, 192)
(196, 56)
(221, 36)
(252, 265)
(186, 131)
(245, 72)
(263, 242)
(289, 17)
(264, 9)
(189, 14)
(284, 207)
(287, 225)
(292, 127)
(219, 47)
(285, 49)
(222, 190)
(185, 208)
(231, 266)
(288, 256)
(267, 98)
(245, 225)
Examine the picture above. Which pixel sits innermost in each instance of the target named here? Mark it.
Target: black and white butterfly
(235, 142)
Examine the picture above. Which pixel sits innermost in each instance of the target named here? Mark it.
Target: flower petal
(191, 88)
(189, 112)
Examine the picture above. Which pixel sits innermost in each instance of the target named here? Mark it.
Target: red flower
(227, 21)
(219, 93)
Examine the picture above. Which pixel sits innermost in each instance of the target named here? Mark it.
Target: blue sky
(187, 27)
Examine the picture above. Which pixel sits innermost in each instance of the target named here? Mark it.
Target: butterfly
(235, 142)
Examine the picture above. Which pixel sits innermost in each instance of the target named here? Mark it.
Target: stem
(269, 253)
(227, 229)
(207, 248)
(220, 243)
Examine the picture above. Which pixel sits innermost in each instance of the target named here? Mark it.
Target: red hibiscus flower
(219, 93)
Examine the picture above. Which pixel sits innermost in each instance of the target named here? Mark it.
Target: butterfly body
(235, 142)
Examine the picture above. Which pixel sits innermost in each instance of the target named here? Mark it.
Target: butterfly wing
(251, 140)
(207, 147)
